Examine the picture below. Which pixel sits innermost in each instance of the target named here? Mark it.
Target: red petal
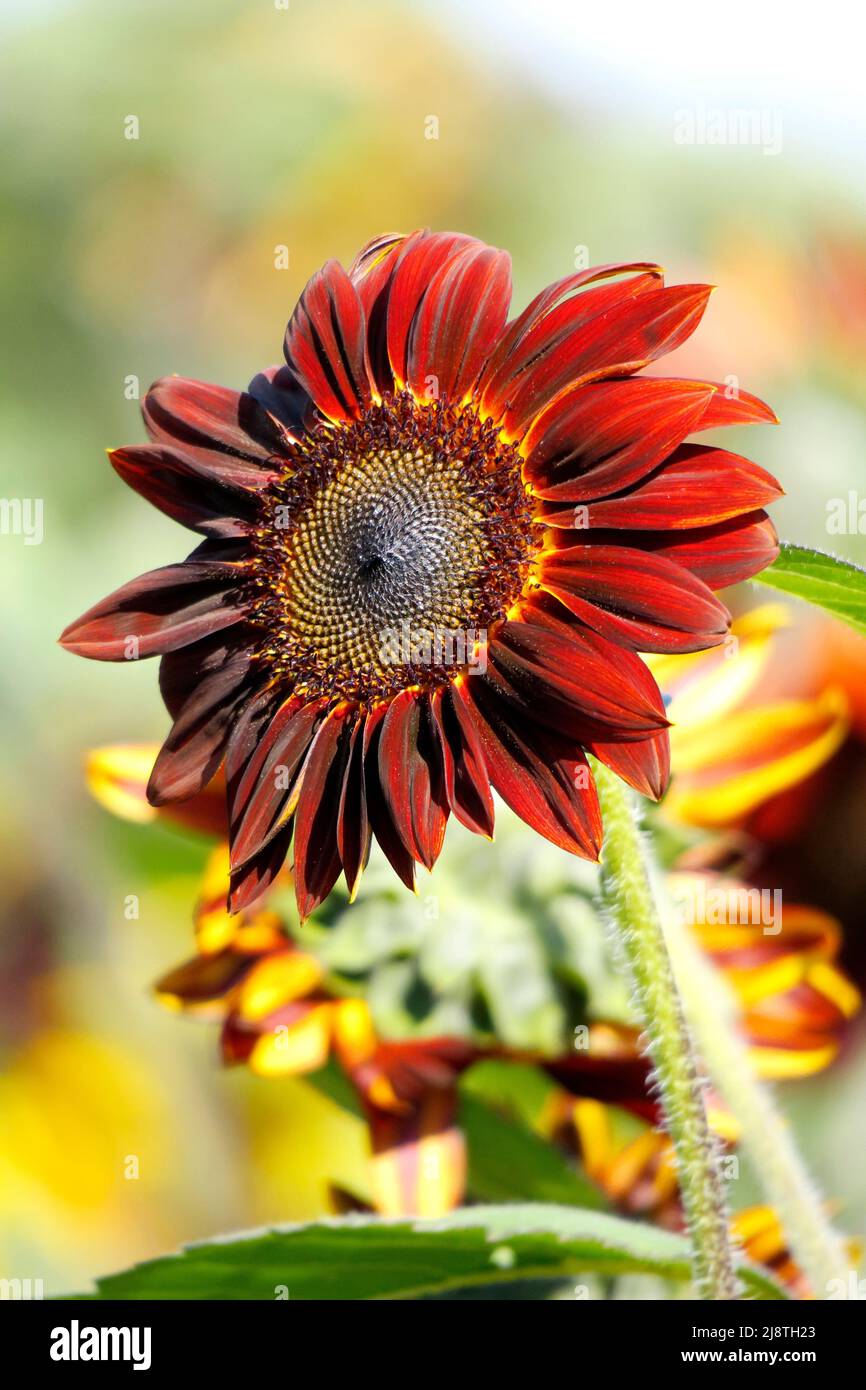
(264, 798)
(278, 390)
(644, 763)
(182, 672)
(317, 859)
(186, 491)
(605, 436)
(372, 272)
(730, 406)
(412, 776)
(544, 778)
(195, 746)
(353, 823)
(466, 780)
(374, 264)
(460, 317)
(246, 736)
(512, 356)
(159, 612)
(227, 432)
(719, 555)
(603, 684)
(643, 601)
(697, 486)
(326, 344)
(419, 259)
(250, 880)
(621, 339)
(381, 820)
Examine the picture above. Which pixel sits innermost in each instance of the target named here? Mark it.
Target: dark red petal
(317, 858)
(418, 261)
(511, 357)
(642, 600)
(247, 735)
(544, 778)
(644, 763)
(412, 777)
(278, 390)
(326, 344)
(381, 820)
(353, 823)
(195, 746)
(720, 555)
(605, 436)
(264, 798)
(460, 317)
(617, 1080)
(250, 880)
(181, 672)
(622, 339)
(227, 432)
(466, 779)
(159, 612)
(601, 682)
(233, 550)
(697, 486)
(206, 978)
(186, 491)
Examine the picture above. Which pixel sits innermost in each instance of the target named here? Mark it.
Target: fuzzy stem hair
(639, 940)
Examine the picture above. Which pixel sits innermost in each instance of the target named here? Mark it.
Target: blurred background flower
(171, 175)
(408, 999)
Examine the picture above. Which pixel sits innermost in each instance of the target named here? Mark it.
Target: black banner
(80, 1339)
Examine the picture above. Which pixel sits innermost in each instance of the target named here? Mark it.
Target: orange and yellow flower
(282, 1016)
(782, 966)
(638, 1173)
(744, 725)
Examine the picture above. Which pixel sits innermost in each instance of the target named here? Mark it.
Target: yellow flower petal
(275, 980)
(117, 775)
(291, 1051)
(724, 798)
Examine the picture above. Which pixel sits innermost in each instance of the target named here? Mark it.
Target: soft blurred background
(266, 127)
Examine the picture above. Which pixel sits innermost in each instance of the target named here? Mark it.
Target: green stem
(713, 1014)
(640, 941)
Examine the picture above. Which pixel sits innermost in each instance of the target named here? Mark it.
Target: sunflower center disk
(390, 547)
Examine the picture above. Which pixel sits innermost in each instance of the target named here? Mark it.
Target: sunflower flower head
(435, 542)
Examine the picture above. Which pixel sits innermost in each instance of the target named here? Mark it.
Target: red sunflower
(435, 543)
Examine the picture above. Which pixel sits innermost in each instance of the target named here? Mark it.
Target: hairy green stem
(713, 1014)
(640, 941)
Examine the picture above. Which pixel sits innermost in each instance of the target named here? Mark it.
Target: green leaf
(834, 585)
(507, 1162)
(366, 1257)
